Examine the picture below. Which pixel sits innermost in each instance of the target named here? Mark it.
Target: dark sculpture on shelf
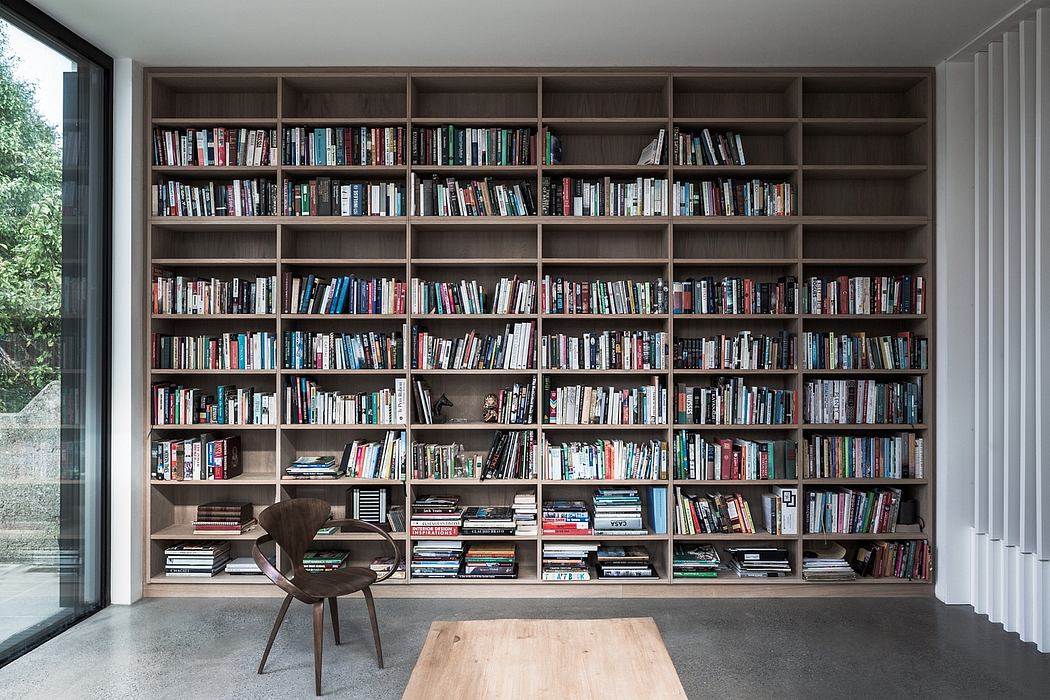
(439, 406)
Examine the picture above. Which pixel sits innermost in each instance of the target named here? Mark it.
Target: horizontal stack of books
(695, 561)
(524, 508)
(223, 518)
(245, 566)
(381, 565)
(569, 518)
(488, 520)
(567, 562)
(624, 562)
(750, 562)
(322, 467)
(435, 516)
(436, 559)
(201, 559)
(826, 561)
(618, 511)
(318, 561)
(492, 560)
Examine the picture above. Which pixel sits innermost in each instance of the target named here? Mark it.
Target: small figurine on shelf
(439, 406)
(488, 409)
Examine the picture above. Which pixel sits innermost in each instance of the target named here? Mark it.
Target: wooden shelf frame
(825, 122)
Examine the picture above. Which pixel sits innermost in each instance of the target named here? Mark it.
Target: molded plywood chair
(293, 524)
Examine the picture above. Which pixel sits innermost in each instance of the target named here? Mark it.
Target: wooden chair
(293, 524)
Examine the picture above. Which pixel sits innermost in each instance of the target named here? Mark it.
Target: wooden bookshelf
(856, 144)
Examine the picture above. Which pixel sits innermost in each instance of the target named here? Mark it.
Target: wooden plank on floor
(579, 659)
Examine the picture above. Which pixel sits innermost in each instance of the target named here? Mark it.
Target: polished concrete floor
(753, 648)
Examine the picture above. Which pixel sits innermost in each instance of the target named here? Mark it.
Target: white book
(788, 509)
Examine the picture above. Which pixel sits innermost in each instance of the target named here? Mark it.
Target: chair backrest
(293, 524)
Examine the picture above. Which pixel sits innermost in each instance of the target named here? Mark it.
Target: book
(730, 401)
(371, 350)
(700, 560)
(862, 401)
(190, 295)
(246, 197)
(780, 511)
(369, 505)
(333, 197)
(605, 196)
(385, 459)
(515, 348)
(606, 349)
(623, 562)
(760, 562)
(826, 561)
(735, 295)
(305, 403)
(583, 405)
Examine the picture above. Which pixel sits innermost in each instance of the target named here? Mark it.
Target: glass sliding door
(54, 327)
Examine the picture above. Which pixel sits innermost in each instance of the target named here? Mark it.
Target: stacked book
(201, 559)
(244, 566)
(488, 520)
(569, 518)
(436, 559)
(826, 561)
(323, 467)
(695, 561)
(435, 516)
(395, 518)
(618, 511)
(624, 562)
(381, 565)
(524, 508)
(750, 562)
(316, 561)
(223, 518)
(567, 562)
(490, 561)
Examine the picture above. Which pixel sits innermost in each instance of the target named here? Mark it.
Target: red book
(726, 470)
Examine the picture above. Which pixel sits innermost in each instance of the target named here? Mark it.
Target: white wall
(127, 412)
(993, 325)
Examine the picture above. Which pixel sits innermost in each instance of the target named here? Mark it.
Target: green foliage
(30, 241)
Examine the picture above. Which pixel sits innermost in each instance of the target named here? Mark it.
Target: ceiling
(530, 32)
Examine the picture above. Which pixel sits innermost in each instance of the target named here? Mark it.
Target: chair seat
(326, 584)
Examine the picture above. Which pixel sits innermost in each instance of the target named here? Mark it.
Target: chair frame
(287, 585)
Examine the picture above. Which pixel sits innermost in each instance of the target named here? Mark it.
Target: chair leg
(318, 634)
(375, 624)
(273, 632)
(333, 602)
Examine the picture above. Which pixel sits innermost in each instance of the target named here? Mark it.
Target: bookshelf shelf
(856, 145)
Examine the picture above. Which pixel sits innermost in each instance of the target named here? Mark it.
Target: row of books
(699, 456)
(511, 455)
(343, 145)
(610, 349)
(735, 295)
(514, 349)
(904, 350)
(227, 351)
(514, 404)
(707, 148)
(607, 459)
(730, 401)
(451, 197)
(564, 296)
(821, 561)
(846, 511)
(585, 405)
(204, 457)
(734, 197)
(862, 401)
(744, 350)
(346, 294)
(454, 145)
(884, 294)
(697, 514)
(865, 456)
(371, 350)
(324, 196)
(171, 404)
(215, 146)
(241, 197)
(361, 459)
(306, 403)
(192, 295)
(604, 196)
(510, 296)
